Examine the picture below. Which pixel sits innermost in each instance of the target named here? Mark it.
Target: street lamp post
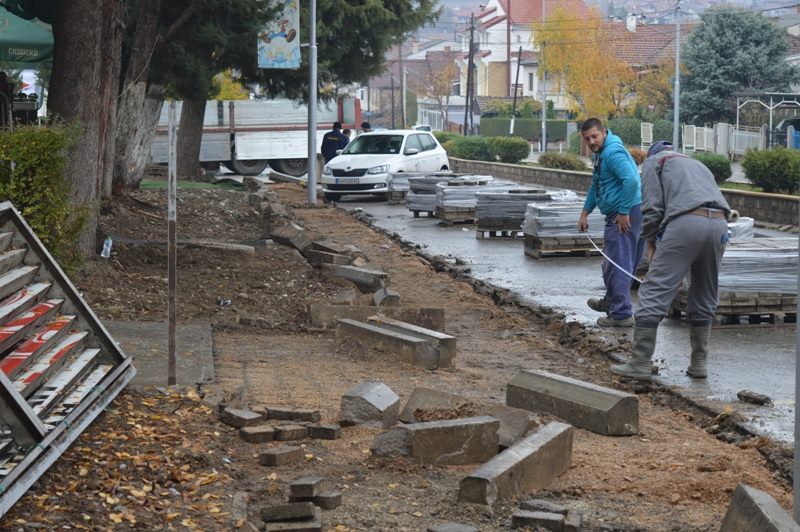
(676, 93)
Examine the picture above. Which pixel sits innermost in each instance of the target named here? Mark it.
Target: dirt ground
(160, 459)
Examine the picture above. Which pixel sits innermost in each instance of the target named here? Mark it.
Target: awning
(24, 42)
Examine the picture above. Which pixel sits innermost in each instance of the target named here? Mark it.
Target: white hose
(620, 268)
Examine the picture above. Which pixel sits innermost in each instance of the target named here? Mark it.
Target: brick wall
(771, 208)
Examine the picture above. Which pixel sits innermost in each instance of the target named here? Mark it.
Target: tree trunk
(77, 58)
(109, 86)
(190, 133)
(131, 113)
(144, 129)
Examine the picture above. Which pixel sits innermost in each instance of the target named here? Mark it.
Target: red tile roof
(649, 45)
(529, 11)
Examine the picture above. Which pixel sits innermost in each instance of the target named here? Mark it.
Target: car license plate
(346, 180)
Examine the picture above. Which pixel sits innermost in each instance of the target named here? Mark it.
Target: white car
(364, 165)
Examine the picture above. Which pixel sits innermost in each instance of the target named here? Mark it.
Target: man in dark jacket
(332, 141)
(615, 190)
(685, 228)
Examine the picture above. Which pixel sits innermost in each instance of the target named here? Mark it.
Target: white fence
(724, 139)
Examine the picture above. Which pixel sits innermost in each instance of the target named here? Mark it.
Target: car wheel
(292, 167)
(332, 197)
(250, 167)
(444, 168)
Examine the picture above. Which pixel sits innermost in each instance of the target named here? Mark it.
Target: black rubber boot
(638, 365)
(698, 336)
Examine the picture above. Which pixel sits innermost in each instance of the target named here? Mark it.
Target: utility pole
(468, 99)
(508, 48)
(676, 92)
(402, 76)
(312, 103)
(514, 103)
(391, 84)
(544, 88)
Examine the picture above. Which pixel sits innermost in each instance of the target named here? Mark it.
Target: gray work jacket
(674, 184)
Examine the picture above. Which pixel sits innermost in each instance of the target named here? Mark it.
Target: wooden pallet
(455, 215)
(538, 247)
(158, 171)
(483, 232)
(395, 197)
(428, 214)
(737, 308)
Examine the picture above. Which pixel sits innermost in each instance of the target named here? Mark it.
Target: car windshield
(375, 144)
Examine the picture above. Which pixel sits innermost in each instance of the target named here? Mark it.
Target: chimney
(447, 49)
(414, 45)
(630, 23)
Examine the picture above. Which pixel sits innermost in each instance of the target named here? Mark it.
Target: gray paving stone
(446, 344)
(324, 315)
(308, 525)
(753, 510)
(306, 486)
(596, 408)
(296, 511)
(546, 520)
(526, 467)
(573, 522)
(452, 527)
(386, 297)
(421, 352)
(278, 456)
(324, 431)
(285, 413)
(366, 280)
(328, 500)
(292, 235)
(514, 422)
(541, 505)
(290, 432)
(237, 417)
(449, 442)
(318, 258)
(370, 403)
(257, 434)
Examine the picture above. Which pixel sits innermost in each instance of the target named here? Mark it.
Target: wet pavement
(760, 358)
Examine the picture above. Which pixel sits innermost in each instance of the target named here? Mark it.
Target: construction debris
(370, 403)
(752, 509)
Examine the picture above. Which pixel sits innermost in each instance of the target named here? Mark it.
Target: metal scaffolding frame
(768, 100)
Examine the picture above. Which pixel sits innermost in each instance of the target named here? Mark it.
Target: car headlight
(326, 170)
(382, 169)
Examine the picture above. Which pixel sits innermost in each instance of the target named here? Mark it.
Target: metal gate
(58, 365)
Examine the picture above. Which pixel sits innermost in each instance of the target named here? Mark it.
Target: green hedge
(509, 149)
(527, 128)
(32, 161)
(475, 148)
(574, 144)
(444, 136)
(774, 170)
(629, 130)
(563, 161)
(719, 165)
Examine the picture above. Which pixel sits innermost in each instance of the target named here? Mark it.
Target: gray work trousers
(689, 244)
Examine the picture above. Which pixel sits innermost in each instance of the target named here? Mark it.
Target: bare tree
(436, 82)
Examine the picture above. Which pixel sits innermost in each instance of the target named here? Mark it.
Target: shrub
(774, 170)
(527, 128)
(719, 165)
(509, 149)
(574, 143)
(32, 161)
(444, 136)
(638, 155)
(475, 148)
(629, 130)
(562, 161)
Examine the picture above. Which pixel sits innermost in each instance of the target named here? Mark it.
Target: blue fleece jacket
(616, 186)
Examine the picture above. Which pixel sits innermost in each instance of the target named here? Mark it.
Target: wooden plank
(19, 327)
(16, 279)
(61, 384)
(78, 394)
(42, 340)
(30, 380)
(22, 300)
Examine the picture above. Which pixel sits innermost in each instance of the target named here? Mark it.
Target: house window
(530, 81)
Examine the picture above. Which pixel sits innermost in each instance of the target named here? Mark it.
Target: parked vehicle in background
(365, 164)
(422, 127)
(248, 135)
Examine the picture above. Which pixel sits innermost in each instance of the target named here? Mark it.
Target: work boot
(598, 304)
(698, 336)
(609, 321)
(638, 365)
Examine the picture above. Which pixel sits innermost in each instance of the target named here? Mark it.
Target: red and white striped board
(30, 380)
(17, 328)
(13, 364)
(22, 300)
(59, 385)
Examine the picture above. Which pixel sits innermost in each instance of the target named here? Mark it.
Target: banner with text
(279, 43)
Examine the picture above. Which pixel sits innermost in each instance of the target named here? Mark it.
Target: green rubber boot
(638, 365)
(698, 336)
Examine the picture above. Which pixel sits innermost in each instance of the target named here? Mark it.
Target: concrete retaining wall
(771, 208)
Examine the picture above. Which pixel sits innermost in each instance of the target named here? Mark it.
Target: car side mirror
(412, 151)
(339, 152)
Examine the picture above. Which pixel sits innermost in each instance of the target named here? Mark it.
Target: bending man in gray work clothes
(685, 228)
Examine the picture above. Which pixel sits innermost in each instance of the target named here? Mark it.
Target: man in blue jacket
(332, 141)
(616, 191)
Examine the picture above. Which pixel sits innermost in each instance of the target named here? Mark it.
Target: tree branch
(179, 22)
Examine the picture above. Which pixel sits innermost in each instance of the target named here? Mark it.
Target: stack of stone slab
(456, 200)
(505, 210)
(421, 196)
(741, 229)
(402, 341)
(397, 185)
(551, 229)
(758, 279)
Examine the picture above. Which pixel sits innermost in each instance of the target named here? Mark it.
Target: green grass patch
(741, 186)
(152, 184)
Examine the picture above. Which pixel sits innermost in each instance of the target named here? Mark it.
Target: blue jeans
(623, 249)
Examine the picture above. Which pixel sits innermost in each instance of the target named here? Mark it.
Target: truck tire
(250, 167)
(292, 167)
